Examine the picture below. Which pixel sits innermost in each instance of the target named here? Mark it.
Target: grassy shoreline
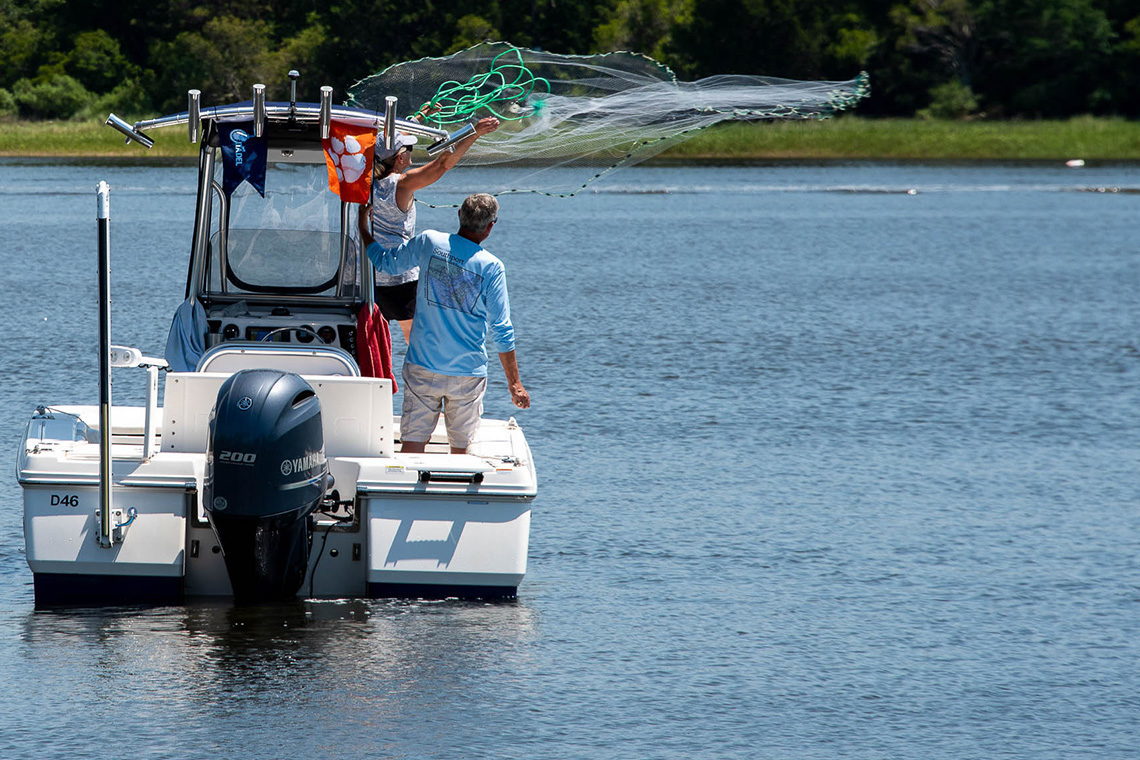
(848, 137)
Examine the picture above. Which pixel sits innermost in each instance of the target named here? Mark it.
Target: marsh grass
(909, 139)
(86, 139)
(841, 138)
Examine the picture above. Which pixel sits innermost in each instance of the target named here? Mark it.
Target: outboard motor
(265, 473)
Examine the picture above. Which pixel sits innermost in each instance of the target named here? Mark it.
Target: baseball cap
(399, 142)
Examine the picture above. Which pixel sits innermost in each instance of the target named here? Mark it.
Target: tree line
(931, 58)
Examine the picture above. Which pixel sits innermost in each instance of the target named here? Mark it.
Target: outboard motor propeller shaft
(265, 474)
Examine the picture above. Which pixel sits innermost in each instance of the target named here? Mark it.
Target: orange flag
(348, 155)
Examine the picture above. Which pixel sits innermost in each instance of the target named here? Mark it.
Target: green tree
(560, 26)
(950, 100)
(364, 37)
(27, 37)
(943, 32)
(850, 43)
(298, 52)
(471, 30)
(1042, 58)
(8, 107)
(1122, 77)
(53, 97)
(129, 99)
(97, 61)
(780, 38)
(223, 60)
(642, 26)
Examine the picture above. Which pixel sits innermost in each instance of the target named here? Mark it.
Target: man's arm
(421, 176)
(519, 394)
(502, 334)
(387, 260)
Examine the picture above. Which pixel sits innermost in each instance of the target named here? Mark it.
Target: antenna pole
(103, 193)
(294, 75)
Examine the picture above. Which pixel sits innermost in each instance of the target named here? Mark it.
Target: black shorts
(397, 302)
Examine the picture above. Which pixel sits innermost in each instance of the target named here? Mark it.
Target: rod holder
(389, 122)
(130, 132)
(194, 113)
(258, 110)
(326, 111)
(450, 141)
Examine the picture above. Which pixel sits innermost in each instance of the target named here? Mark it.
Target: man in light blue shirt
(461, 296)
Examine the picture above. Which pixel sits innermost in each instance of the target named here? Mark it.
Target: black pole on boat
(103, 193)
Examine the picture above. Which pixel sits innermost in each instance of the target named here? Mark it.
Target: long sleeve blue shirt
(461, 300)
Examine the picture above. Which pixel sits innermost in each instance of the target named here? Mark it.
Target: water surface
(835, 461)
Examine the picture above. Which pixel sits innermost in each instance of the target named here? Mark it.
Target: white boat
(270, 469)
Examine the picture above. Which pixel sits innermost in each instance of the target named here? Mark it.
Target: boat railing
(261, 112)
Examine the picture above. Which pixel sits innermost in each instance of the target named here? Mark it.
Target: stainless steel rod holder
(306, 113)
(194, 113)
(457, 136)
(326, 110)
(389, 122)
(130, 132)
(258, 110)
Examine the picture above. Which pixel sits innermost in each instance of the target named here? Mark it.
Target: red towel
(374, 345)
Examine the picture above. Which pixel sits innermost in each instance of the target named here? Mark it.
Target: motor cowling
(265, 474)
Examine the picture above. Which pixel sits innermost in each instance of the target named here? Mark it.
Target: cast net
(571, 119)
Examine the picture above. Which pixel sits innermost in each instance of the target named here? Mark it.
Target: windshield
(288, 242)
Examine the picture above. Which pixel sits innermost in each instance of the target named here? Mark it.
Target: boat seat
(303, 360)
(356, 413)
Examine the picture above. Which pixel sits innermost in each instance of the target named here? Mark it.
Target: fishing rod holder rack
(260, 112)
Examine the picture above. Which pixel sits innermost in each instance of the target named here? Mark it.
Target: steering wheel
(271, 333)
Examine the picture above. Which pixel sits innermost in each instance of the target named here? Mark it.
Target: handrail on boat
(307, 113)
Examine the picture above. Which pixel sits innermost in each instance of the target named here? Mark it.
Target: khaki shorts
(426, 393)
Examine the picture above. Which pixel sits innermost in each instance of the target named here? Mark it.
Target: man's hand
(428, 109)
(486, 126)
(514, 384)
(520, 396)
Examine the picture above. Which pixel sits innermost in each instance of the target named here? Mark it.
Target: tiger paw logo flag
(348, 155)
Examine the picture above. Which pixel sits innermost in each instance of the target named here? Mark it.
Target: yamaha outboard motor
(265, 473)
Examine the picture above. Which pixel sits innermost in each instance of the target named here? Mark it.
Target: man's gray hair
(478, 211)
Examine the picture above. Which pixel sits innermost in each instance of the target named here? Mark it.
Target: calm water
(828, 469)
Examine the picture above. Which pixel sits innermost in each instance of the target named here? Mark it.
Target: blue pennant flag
(243, 157)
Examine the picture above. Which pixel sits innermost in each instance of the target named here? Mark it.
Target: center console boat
(270, 468)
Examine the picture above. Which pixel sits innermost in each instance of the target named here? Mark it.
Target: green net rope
(503, 90)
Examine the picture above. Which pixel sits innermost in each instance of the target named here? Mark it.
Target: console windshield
(288, 242)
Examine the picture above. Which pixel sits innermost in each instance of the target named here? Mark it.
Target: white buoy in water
(1075, 162)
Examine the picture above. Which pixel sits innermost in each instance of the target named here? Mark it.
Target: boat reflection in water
(342, 661)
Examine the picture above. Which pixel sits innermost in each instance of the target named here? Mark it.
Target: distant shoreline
(844, 138)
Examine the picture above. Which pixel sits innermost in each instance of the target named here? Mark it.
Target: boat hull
(87, 590)
(422, 526)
